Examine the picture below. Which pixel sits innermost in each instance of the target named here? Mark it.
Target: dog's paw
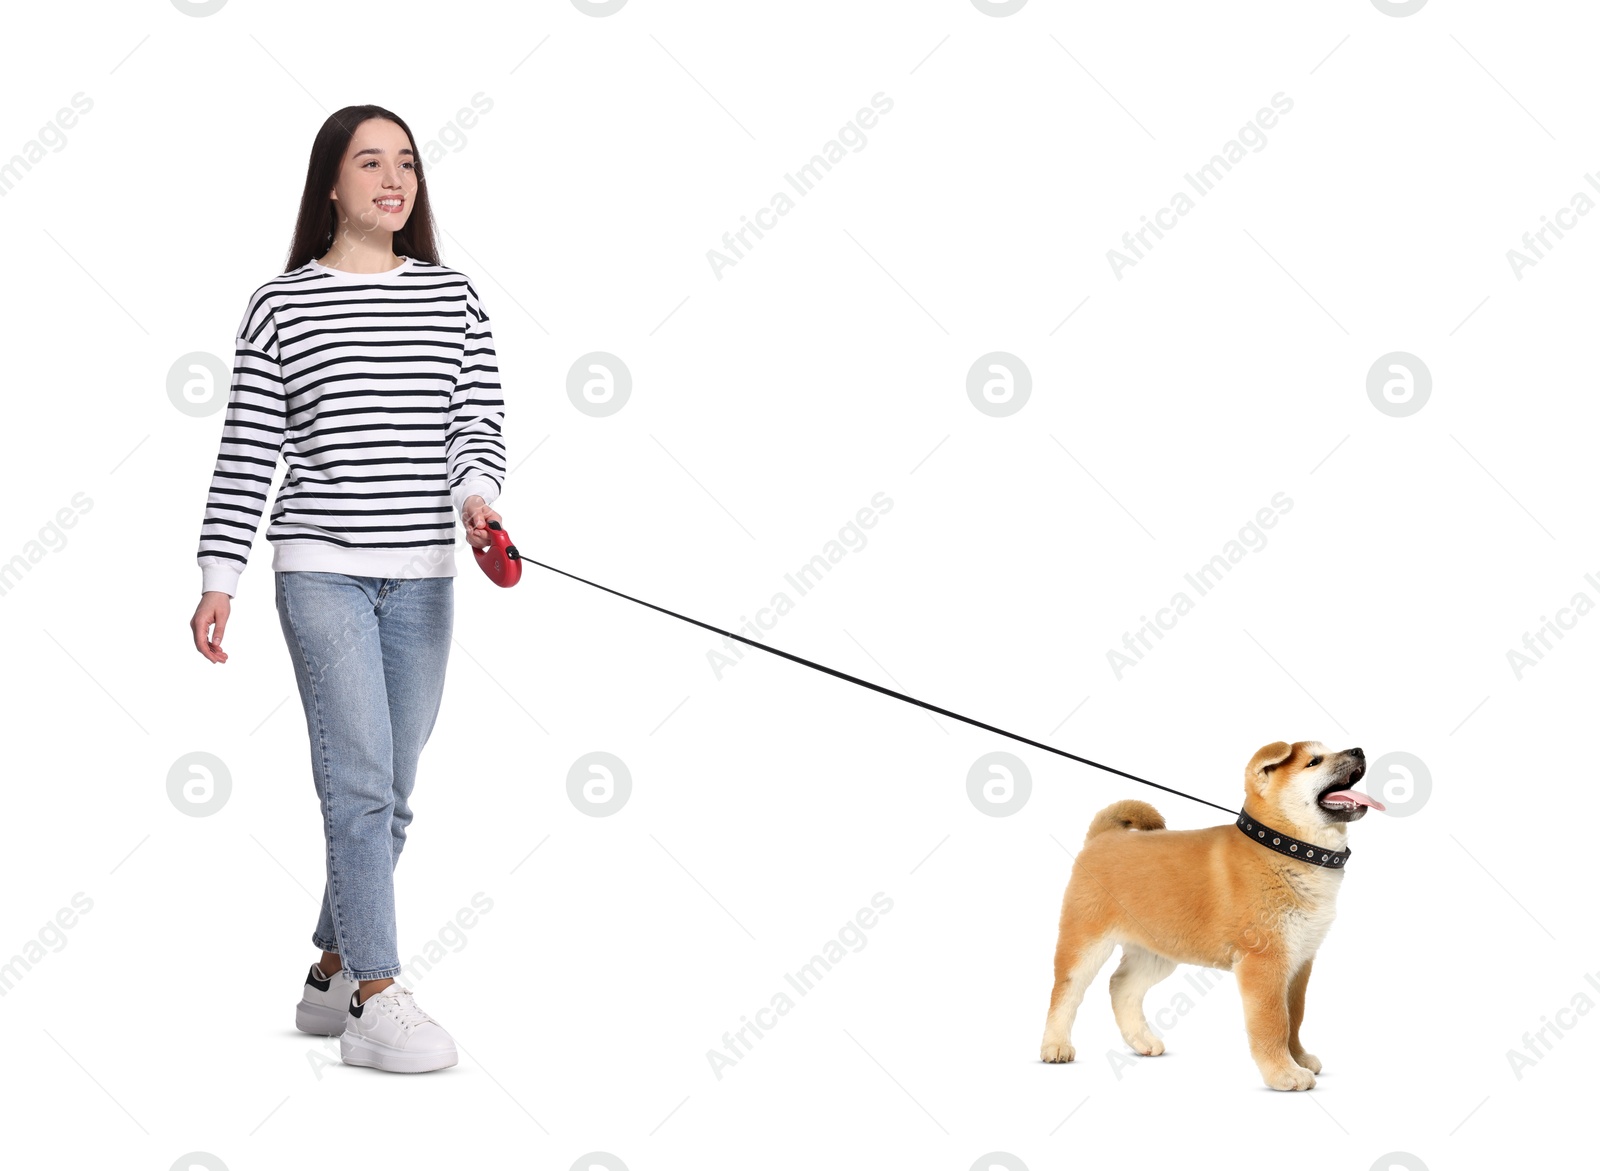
(1148, 1044)
(1309, 1061)
(1056, 1051)
(1289, 1077)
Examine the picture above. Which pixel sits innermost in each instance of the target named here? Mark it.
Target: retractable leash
(503, 564)
(500, 560)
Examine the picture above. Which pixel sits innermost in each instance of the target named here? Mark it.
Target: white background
(768, 406)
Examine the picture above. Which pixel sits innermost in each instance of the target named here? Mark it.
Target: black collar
(1264, 835)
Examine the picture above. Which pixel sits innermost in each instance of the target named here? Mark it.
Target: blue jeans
(369, 657)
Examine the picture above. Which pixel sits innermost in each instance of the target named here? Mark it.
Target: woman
(371, 368)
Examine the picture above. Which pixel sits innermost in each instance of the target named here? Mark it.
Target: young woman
(370, 367)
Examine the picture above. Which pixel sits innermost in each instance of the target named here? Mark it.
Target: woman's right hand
(212, 610)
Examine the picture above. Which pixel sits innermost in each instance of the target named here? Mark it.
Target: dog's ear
(1258, 773)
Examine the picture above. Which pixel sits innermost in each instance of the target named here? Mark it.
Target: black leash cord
(876, 687)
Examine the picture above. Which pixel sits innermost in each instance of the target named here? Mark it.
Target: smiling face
(377, 183)
(1307, 787)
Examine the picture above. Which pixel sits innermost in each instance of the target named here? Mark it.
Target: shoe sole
(360, 1051)
(320, 1021)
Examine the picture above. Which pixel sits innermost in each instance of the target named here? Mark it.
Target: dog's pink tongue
(1351, 797)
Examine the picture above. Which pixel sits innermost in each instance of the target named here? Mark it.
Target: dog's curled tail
(1125, 815)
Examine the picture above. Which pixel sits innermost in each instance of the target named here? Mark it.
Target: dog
(1223, 897)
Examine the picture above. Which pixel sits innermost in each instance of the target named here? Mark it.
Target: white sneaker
(388, 1031)
(324, 1005)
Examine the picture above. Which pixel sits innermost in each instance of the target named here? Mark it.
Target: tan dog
(1217, 897)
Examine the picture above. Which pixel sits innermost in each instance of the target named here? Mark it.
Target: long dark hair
(315, 225)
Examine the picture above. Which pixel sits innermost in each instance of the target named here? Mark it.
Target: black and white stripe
(382, 393)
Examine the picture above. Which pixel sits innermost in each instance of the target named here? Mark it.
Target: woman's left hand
(476, 515)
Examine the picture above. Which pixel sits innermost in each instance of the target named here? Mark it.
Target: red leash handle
(500, 561)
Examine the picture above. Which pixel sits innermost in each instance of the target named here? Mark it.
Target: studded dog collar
(1264, 835)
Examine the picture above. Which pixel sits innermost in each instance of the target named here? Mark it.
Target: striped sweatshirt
(382, 394)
